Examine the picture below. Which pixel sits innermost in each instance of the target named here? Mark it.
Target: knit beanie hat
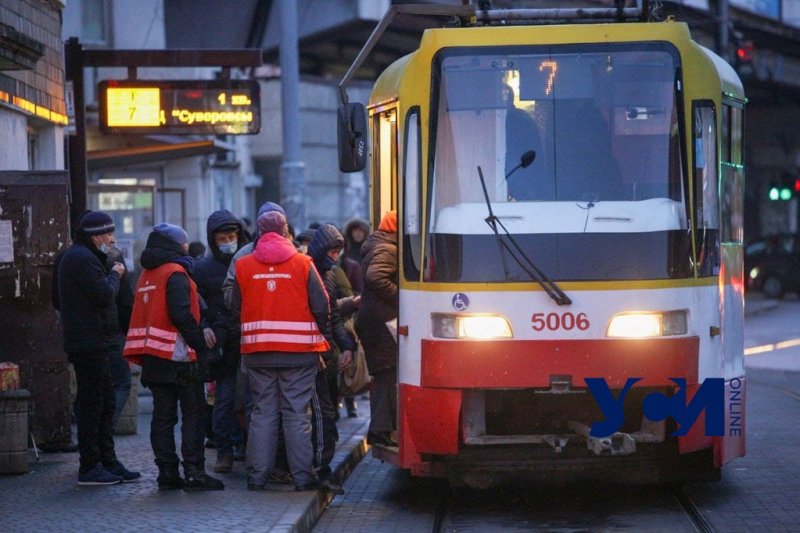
(326, 238)
(389, 222)
(176, 233)
(95, 223)
(306, 235)
(266, 207)
(271, 222)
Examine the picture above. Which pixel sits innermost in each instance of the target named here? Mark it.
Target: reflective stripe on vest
(302, 333)
(151, 331)
(275, 313)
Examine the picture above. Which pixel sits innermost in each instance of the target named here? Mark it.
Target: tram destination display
(180, 107)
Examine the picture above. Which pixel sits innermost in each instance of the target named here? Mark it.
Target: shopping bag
(356, 378)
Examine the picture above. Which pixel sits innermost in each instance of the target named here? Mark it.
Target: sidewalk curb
(305, 520)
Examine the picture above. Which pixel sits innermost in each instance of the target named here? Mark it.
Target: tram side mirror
(352, 137)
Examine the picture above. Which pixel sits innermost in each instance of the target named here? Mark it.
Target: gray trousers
(383, 401)
(280, 393)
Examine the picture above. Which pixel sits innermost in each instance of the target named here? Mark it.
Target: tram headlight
(447, 326)
(639, 325)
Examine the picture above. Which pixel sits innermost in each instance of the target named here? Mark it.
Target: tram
(570, 202)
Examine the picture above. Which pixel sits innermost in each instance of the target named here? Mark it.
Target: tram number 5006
(555, 321)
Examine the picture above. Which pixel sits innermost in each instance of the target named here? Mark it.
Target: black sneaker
(126, 475)
(169, 478)
(331, 486)
(196, 480)
(381, 438)
(255, 486)
(98, 476)
(170, 483)
(280, 476)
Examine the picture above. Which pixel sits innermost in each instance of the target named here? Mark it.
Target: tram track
(448, 516)
(701, 525)
(441, 511)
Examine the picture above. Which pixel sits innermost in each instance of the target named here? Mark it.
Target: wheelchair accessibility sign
(460, 301)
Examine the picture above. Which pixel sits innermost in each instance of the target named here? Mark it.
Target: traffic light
(745, 53)
(785, 189)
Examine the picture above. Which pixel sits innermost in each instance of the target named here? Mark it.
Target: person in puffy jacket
(226, 236)
(324, 249)
(378, 306)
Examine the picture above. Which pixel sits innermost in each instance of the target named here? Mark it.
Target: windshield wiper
(549, 286)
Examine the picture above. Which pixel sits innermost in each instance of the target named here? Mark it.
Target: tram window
(737, 135)
(412, 168)
(732, 177)
(706, 189)
(725, 133)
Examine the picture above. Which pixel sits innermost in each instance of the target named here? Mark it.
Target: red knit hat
(389, 222)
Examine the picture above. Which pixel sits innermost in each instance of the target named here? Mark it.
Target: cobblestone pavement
(49, 499)
(381, 497)
(761, 491)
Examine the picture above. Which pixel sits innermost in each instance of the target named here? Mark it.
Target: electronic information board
(180, 107)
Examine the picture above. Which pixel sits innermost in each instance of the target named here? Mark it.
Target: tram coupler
(558, 442)
(616, 444)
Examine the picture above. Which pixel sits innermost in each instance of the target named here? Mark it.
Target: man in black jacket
(86, 294)
(225, 236)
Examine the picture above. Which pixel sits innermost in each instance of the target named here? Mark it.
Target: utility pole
(723, 30)
(73, 56)
(293, 170)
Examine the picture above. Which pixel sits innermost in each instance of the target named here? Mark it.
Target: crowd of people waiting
(261, 326)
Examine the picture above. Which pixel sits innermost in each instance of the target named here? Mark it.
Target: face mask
(228, 249)
(105, 248)
(303, 248)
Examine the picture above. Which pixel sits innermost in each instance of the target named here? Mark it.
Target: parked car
(772, 264)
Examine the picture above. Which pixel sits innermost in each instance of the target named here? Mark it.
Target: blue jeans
(120, 375)
(227, 432)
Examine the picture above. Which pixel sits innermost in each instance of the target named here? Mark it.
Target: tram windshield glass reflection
(605, 196)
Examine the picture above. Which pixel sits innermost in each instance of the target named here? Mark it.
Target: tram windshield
(604, 196)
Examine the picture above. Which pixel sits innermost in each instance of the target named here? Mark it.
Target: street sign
(180, 107)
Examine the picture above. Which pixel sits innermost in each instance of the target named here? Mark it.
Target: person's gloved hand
(199, 370)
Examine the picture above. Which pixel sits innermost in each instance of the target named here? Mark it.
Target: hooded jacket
(160, 250)
(350, 260)
(378, 301)
(326, 238)
(209, 274)
(85, 294)
(352, 249)
(272, 248)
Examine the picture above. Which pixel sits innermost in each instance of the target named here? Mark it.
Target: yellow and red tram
(569, 203)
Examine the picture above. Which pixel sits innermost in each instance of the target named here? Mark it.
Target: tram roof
(435, 39)
(731, 84)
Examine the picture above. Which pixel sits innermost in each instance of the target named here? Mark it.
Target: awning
(136, 155)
